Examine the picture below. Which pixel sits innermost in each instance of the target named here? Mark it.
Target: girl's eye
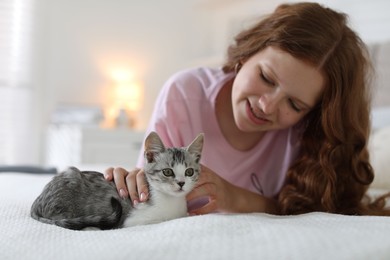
(189, 172)
(294, 106)
(266, 79)
(168, 172)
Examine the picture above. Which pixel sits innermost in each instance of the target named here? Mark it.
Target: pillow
(379, 148)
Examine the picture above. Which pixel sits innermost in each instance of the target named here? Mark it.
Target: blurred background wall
(76, 52)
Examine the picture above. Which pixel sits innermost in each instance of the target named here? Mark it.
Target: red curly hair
(333, 171)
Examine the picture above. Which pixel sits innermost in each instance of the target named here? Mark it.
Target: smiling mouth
(257, 119)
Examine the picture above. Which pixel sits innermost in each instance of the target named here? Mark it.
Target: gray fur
(77, 199)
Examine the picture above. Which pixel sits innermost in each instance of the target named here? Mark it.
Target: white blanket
(213, 236)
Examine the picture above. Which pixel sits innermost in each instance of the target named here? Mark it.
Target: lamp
(127, 98)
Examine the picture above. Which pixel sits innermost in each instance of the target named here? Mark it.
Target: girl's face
(273, 90)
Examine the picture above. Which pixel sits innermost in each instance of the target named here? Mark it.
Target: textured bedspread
(214, 236)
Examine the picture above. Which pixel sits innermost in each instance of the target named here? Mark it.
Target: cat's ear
(153, 146)
(196, 146)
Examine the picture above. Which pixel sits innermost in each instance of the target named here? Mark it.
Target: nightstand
(74, 145)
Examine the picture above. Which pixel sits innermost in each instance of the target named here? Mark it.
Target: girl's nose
(269, 103)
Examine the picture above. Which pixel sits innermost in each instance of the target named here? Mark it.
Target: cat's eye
(189, 172)
(168, 172)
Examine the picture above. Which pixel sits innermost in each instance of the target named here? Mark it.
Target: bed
(214, 236)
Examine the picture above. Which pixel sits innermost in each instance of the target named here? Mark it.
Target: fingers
(208, 190)
(142, 185)
(211, 186)
(137, 186)
(131, 184)
(204, 190)
(108, 174)
(120, 182)
(206, 209)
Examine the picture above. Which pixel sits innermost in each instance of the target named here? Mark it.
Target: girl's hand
(129, 183)
(213, 187)
(226, 197)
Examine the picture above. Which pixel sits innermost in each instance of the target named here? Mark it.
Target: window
(16, 87)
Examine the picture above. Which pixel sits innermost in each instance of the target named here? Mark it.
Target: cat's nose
(181, 184)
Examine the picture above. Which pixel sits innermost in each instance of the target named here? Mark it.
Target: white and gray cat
(84, 199)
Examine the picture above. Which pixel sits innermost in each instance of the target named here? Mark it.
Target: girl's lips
(253, 117)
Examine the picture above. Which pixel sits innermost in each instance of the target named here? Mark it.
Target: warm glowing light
(127, 96)
(122, 75)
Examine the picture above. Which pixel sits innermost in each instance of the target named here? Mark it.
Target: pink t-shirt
(185, 107)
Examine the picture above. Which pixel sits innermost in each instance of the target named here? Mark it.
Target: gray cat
(84, 199)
